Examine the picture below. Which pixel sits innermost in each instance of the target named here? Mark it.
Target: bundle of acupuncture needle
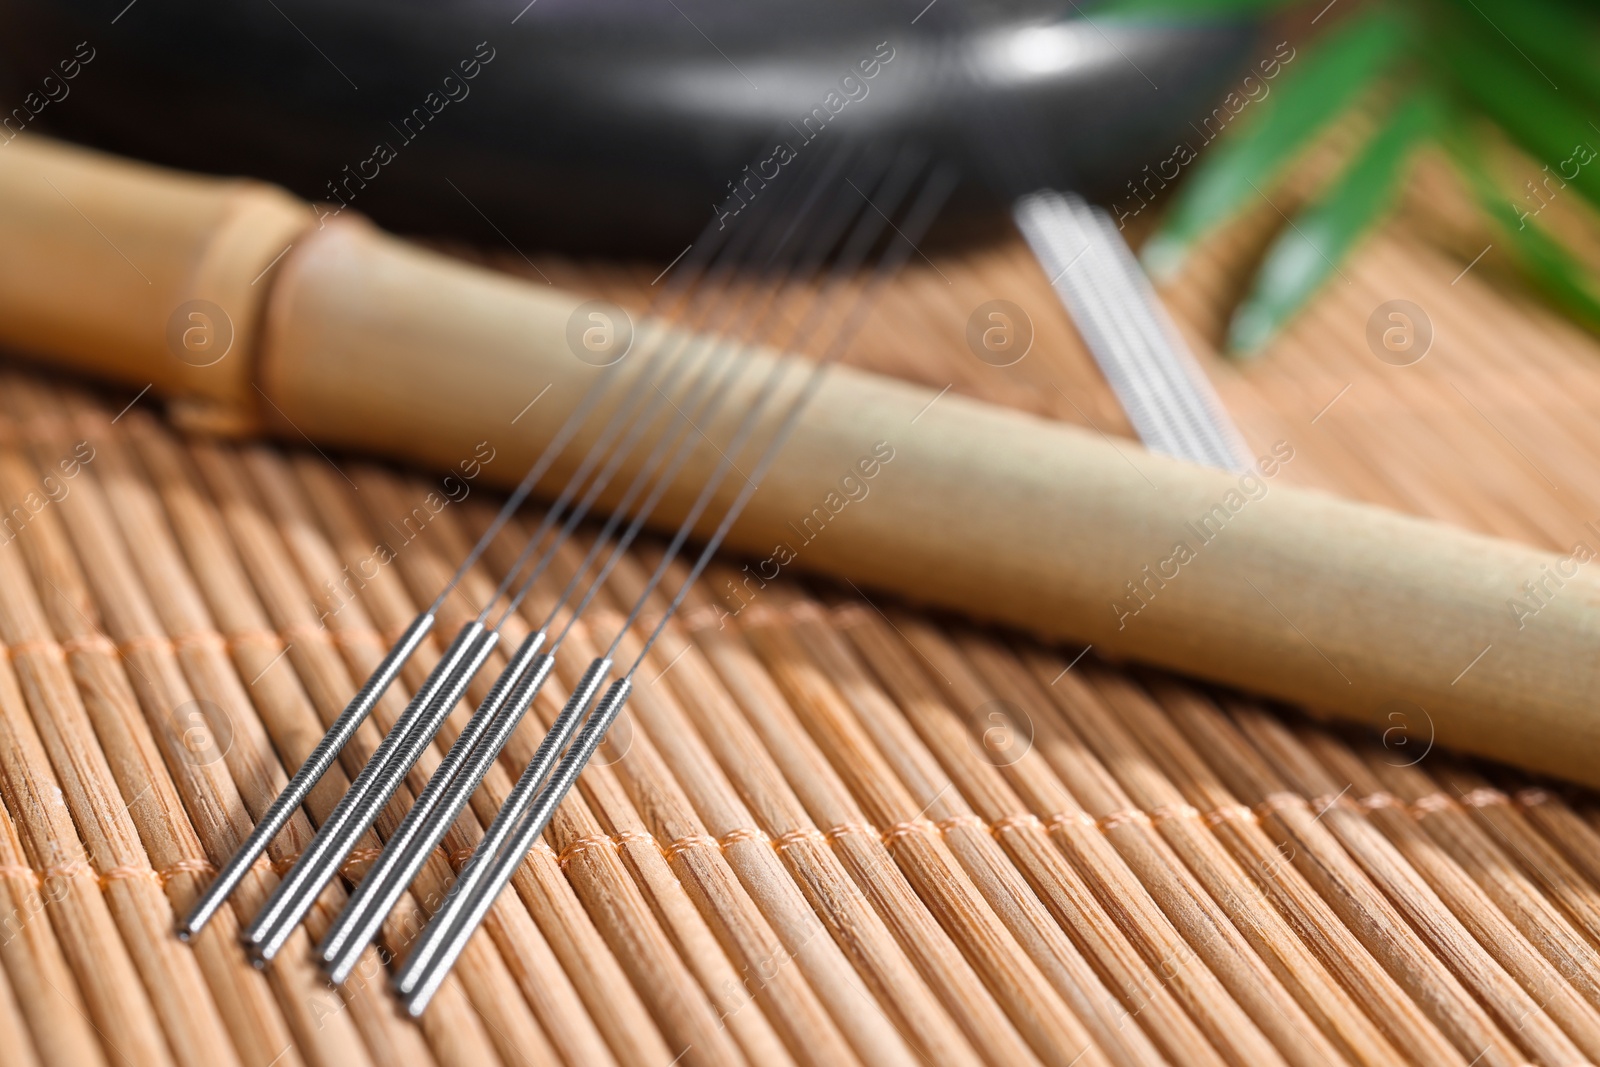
(835, 213)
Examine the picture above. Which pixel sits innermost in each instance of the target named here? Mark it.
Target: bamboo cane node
(1328, 801)
(1485, 797)
(1433, 803)
(1381, 799)
(1532, 797)
(1174, 811)
(1110, 822)
(1242, 812)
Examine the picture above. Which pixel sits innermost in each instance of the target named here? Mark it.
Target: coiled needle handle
(306, 778)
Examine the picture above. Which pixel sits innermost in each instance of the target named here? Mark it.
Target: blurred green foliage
(1442, 73)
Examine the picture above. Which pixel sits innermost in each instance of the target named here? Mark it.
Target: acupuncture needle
(584, 693)
(458, 918)
(398, 752)
(457, 667)
(519, 682)
(312, 769)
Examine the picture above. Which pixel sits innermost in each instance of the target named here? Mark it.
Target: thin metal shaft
(387, 879)
(896, 184)
(373, 787)
(384, 884)
(426, 981)
(434, 936)
(305, 778)
(710, 247)
(454, 924)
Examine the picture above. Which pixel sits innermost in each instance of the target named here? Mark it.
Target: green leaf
(1555, 129)
(1552, 40)
(1309, 92)
(1555, 271)
(1309, 250)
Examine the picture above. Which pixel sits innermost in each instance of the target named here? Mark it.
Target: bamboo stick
(1521, 1014)
(1353, 892)
(1233, 824)
(1473, 847)
(818, 873)
(953, 822)
(179, 997)
(153, 764)
(455, 1031)
(287, 711)
(1540, 858)
(13, 1031)
(1210, 935)
(47, 996)
(673, 956)
(1141, 995)
(348, 355)
(926, 930)
(89, 933)
(1037, 1012)
(1088, 721)
(1544, 1015)
(564, 966)
(675, 760)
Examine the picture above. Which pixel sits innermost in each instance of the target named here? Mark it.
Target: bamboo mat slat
(830, 828)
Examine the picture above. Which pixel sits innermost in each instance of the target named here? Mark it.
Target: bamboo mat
(831, 829)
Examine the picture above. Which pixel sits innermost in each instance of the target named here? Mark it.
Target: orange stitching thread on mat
(688, 842)
(85, 643)
(794, 837)
(1243, 812)
(580, 846)
(969, 820)
(1432, 804)
(835, 832)
(910, 826)
(1110, 822)
(742, 833)
(1485, 797)
(1174, 811)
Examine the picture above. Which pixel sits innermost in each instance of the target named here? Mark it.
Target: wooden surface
(830, 828)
